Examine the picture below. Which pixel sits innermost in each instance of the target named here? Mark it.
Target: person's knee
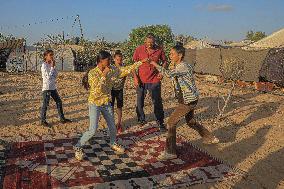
(171, 123)
(191, 122)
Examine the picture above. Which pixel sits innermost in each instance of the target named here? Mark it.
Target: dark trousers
(155, 92)
(46, 98)
(183, 111)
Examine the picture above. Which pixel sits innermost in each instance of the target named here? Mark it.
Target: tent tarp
(11, 44)
(272, 69)
(208, 61)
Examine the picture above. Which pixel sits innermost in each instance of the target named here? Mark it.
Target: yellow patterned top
(100, 86)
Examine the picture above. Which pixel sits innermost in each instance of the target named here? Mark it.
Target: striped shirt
(182, 76)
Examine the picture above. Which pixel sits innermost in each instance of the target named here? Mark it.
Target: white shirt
(49, 75)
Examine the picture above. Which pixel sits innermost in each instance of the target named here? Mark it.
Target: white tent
(63, 56)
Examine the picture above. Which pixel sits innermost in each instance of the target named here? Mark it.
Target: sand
(251, 135)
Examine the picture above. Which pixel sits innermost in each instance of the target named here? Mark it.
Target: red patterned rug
(51, 164)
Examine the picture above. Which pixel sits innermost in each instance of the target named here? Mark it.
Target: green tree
(259, 35)
(163, 34)
(255, 36)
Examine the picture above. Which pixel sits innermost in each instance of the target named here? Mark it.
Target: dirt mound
(275, 40)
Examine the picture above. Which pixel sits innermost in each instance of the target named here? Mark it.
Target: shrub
(164, 38)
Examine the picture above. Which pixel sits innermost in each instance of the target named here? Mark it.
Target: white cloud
(220, 8)
(215, 7)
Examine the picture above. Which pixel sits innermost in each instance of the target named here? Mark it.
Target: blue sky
(114, 19)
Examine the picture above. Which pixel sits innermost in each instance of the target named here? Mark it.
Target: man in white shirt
(49, 75)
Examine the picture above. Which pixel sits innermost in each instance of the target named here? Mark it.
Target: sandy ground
(251, 134)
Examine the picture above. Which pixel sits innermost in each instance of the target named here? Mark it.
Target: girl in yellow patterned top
(100, 83)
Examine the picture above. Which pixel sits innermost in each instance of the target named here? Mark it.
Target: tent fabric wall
(34, 59)
(190, 56)
(4, 54)
(11, 44)
(208, 61)
(252, 61)
(272, 69)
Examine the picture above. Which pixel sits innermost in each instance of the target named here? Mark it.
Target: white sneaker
(79, 154)
(117, 148)
(166, 156)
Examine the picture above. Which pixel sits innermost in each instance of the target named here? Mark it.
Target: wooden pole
(62, 60)
(36, 59)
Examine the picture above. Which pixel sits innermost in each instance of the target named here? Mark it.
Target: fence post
(36, 60)
(26, 63)
(62, 62)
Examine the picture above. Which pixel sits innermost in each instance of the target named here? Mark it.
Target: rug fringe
(242, 172)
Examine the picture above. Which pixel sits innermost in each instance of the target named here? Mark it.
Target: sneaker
(117, 148)
(65, 121)
(79, 154)
(167, 156)
(44, 123)
(211, 140)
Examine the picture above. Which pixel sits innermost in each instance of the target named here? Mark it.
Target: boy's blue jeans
(46, 98)
(94, 115)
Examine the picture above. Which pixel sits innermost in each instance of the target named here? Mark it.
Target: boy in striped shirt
(187, 95)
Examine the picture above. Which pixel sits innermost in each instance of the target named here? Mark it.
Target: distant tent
(208, 61)
(64, 56)
(5, 49)
(272, 69)
(4, 54)
(200, 44)
(240, 44)
(12, 44)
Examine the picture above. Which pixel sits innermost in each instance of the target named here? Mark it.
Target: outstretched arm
(124, 71)
(169, 73)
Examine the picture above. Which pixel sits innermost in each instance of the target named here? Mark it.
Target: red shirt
(147, 72)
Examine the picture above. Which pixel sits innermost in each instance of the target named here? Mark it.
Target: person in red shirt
(148, 79)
